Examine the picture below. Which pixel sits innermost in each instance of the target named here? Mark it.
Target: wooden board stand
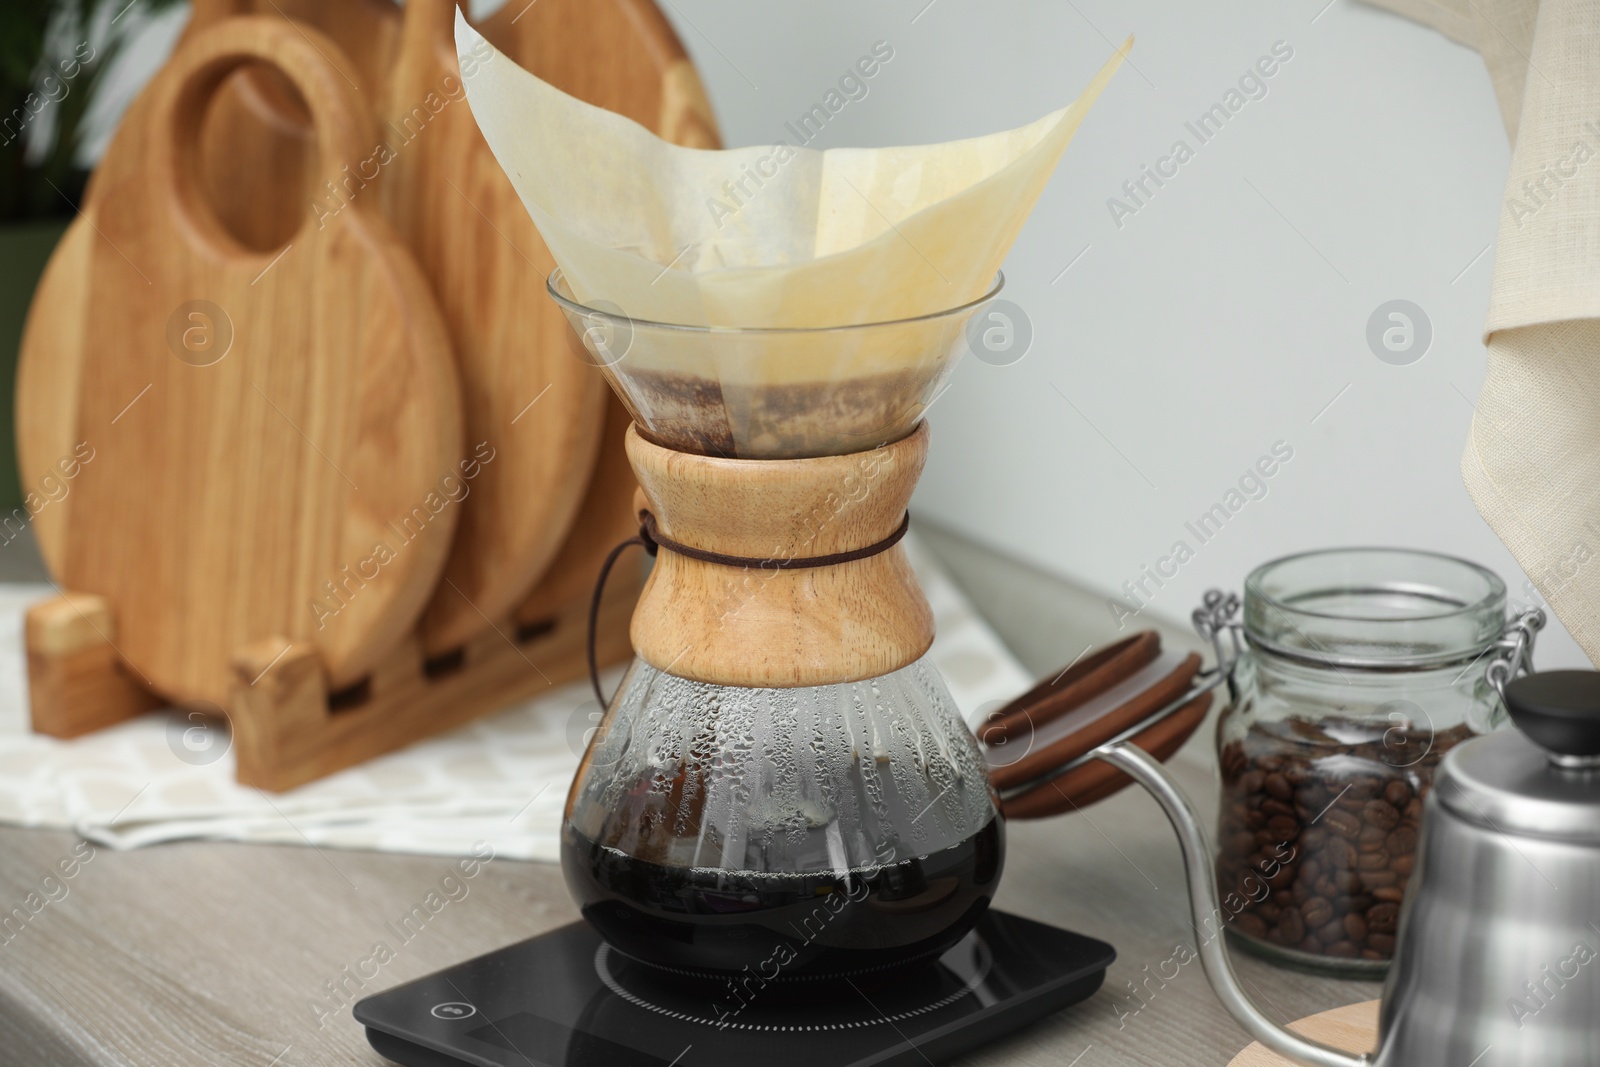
(288, 728)
(76, 681)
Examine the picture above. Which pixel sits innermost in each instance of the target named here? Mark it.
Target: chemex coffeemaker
(781, 784)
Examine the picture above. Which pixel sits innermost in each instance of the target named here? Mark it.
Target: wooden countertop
(205, 954)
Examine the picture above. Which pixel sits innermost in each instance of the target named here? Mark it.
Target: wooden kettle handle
(346, 131)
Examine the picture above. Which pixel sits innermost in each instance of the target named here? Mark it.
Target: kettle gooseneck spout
(1201, 873)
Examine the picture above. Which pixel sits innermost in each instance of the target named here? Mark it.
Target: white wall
(1224, 315)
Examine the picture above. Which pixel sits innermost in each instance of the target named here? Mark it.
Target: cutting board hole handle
(288, 83)
(256, 121)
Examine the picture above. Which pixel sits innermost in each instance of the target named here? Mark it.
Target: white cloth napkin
(1532, 463)
(501, 780)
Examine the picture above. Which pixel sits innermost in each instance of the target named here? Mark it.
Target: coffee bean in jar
(1361, 669)
(1318, 831)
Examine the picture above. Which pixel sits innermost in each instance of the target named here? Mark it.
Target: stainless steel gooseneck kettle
(1498, 955)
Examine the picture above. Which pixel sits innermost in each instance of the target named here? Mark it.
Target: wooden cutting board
(537, 410)
(259, 184)
(258, 170)
(261, 421)
(527, 401)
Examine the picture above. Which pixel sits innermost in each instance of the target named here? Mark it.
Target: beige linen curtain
(1532, 462)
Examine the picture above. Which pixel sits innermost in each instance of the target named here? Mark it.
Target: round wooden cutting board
(529, 405)
(261, 434)
(527, 401)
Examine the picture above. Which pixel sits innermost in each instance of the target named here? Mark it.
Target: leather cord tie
(651, 539)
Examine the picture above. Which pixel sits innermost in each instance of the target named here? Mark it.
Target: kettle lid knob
(1559, 711)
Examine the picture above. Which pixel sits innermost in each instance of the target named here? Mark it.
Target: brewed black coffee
(773, 927)
(782, 833)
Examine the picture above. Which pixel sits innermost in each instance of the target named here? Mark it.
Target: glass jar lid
(1374, 609)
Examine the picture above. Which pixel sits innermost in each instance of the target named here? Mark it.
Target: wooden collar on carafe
(769, 625)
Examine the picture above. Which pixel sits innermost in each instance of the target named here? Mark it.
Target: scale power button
(453, 1010)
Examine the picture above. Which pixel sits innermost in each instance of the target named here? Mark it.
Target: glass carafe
(822, 829)
(782, 787)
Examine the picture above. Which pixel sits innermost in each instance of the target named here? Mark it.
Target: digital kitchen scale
(566, 999)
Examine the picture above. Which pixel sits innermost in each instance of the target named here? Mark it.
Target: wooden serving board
(259, 421)
(258, 188)
(527, 402)
(538, 410)
(542, 413)
(1353, 1028)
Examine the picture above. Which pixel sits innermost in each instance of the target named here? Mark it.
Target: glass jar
(1361, 669)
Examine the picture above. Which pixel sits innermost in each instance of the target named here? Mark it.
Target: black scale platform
(565, 999)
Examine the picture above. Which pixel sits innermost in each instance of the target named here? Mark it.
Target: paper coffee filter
(765, 236)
